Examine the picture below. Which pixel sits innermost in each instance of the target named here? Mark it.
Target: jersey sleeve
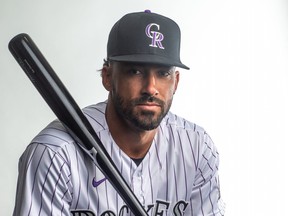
(38, 194)
(206, 197)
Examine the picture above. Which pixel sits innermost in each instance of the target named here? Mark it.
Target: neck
(131, 140)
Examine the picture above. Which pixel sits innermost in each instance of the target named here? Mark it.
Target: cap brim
(144, 58)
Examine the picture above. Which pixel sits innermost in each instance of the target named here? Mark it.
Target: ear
(177, 77)
(106, 78)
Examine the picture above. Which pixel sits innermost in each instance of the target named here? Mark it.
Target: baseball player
(170, 163)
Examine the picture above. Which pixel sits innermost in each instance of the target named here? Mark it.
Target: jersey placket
(137, 184)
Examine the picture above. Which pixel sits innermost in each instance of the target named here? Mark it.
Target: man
(170, 163)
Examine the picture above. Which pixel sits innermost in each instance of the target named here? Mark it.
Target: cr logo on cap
(156, 36)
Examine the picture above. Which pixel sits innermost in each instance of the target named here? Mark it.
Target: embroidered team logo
(152, 31)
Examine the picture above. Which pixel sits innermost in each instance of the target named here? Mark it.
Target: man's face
(142, 94)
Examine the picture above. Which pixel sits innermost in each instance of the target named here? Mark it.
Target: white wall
(237, 88)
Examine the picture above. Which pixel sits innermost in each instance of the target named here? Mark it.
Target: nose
(150, 84)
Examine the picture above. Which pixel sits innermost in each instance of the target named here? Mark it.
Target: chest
(163, 182)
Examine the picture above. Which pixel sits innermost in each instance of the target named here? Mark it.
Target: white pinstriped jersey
(178, 176)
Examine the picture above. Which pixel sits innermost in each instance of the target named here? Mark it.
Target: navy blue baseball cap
(145, 37)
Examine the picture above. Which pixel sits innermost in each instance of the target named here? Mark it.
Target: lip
(148, 106)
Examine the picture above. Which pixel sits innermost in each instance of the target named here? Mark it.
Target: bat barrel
(68, 112)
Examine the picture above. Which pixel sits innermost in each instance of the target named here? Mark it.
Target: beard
(144, 119)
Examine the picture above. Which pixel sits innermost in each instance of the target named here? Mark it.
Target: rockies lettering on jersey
(178, 176)
(160, 208)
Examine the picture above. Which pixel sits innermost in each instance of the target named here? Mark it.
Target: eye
(135, 72)
(164, 73)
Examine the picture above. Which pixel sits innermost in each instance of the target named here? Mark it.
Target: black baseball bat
(68, 112)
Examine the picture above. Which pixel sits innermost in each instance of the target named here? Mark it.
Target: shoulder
(179, 123)
(55, 137)
(53, 143)
(187, 134)
(192, 141)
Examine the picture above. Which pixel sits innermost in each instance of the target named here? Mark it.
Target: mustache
(148, 99)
